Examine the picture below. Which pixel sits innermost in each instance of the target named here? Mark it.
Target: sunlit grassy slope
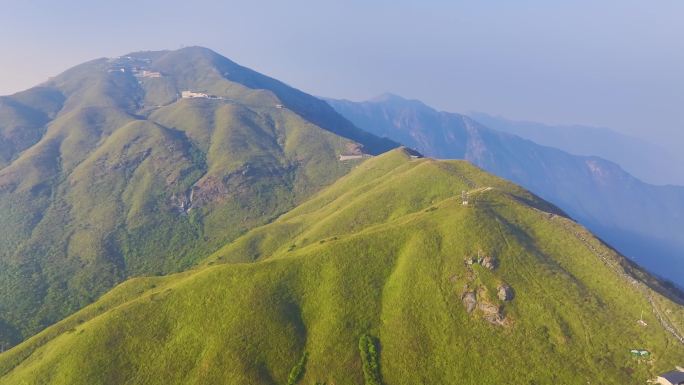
(106, 173)
(381, 252)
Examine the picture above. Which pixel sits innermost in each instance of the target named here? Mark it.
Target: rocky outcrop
(469, 301)
(505, 292)
(489, 263)
(475, 298)
(491, 313)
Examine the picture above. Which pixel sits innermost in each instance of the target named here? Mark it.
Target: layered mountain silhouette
(646, 161)
(645, 222)
(145, 163)
(385, 277)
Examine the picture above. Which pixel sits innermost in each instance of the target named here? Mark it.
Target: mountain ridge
(592, 190)
(647, 161)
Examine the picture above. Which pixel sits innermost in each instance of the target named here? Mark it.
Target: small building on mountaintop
(350, 156)
(192, 94)
(149, 74)
(675, 377)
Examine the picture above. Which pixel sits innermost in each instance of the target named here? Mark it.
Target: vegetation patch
(297, 371)
(370, 359)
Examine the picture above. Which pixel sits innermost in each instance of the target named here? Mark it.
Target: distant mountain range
(645, 222)
(646, 161)
(144, 164)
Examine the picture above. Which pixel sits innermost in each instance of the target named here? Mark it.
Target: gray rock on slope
(469, 301)
(491, 313)
(489, 263)
(505, 292)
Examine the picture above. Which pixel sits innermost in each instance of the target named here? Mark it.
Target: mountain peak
(388, 96)
(189, 122)
(190, 50)
(397, 101)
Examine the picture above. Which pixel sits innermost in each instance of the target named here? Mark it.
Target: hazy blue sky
(614, 63)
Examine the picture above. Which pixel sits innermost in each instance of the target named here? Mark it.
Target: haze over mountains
(253, 234)
(643, 221)
(646, 161)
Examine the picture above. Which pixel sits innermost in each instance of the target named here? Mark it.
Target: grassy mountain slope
(22, 120)
(380, 253)
(645, 222)
(106, 172)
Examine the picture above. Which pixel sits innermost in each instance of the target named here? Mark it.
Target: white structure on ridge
(192, 94)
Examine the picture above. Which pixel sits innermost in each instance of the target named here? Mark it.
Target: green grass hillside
(382, 278)
(644, 222)
(106, 172)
